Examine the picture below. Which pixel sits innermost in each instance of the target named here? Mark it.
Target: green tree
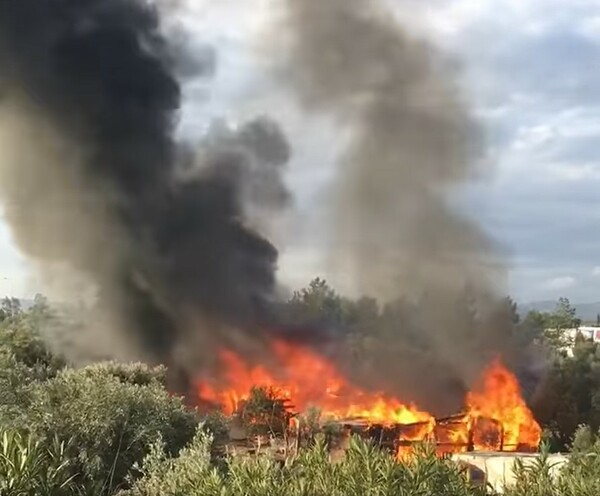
(569, 395)
(531, 329)
(362, 316)
(559, 322)
(107, 419)
(316, 306)
(10, 308)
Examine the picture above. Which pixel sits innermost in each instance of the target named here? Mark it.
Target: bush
(138, 374)
(580, 476)
(365, 470)
(29, 467)
(15, 379)
(264, 413)
(583, 440)
(19, 338)
(110, 423)
(218, 425)
(189, 474)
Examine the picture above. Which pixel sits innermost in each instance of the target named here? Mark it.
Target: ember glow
(496, 416)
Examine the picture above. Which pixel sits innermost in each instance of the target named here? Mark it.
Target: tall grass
(365, 471)
(29, 467)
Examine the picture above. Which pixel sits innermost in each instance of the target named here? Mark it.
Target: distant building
(588, 332)
(496, 470)
(591, 333)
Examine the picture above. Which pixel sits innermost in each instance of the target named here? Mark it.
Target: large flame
(498, 397)
(496, 415)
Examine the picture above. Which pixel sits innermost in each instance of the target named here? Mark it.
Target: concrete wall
(496, 469)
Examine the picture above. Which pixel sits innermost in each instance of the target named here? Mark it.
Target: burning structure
(100, 190)
(496, 417)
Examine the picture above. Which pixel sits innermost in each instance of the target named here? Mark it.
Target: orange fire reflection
(496, 415)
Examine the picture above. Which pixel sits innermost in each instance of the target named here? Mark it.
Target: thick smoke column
(94, 183)
(410, 141)
(96, 186)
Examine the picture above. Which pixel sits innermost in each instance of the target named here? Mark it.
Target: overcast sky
(531, 71)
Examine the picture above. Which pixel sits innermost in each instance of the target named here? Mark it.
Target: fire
(496, 415)
(498, 398)
(306, 380)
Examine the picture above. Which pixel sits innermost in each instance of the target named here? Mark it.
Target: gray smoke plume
(94, 183)
(411, 140)
(96, 187)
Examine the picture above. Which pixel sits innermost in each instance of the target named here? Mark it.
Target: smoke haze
(410, 143)
(97, 188)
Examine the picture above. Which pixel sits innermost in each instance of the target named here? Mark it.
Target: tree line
(91, 430)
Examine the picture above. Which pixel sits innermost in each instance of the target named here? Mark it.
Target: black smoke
(100, 192)
(160, 228)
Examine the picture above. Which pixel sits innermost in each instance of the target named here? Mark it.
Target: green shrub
(583, 440)
(30, 467)
(580, 476)
(365, 471)
(110, 423)
(19, 338)
(15, 388)
(191, 473)
(138, 374)
(218, 425)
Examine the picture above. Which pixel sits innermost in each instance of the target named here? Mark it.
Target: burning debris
(496, 417)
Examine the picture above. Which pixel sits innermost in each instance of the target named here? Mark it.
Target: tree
(10, 308)
(569, 395)
(531, 329)
(316, 306)
(362, 316)
(563, 319)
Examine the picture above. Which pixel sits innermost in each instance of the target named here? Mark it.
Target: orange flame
(498, 398)
(496, 414)
(308, 380)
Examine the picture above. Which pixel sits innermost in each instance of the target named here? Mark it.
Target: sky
(529, 69)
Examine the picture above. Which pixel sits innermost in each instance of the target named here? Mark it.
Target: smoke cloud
(410, 142)
(166, 235)
(96, 187)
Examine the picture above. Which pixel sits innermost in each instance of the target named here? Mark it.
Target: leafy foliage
(30, 467)
(110, 423)
(20, 338)
(558, 322)
(569, 395)
(579, 477)
(106, 415)
(264, 413)
(365, 470)
(111, 427)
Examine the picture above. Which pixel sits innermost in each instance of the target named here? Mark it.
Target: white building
(496, 470)
(589, 332)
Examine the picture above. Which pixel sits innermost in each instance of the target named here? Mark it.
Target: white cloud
(574, 172)
(590, 28)
(558, 283)
(536, 136)
(596, 271)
